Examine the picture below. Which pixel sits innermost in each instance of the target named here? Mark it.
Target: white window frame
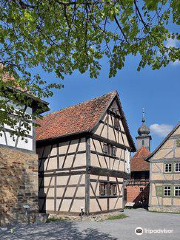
(178, 167)
(168, 164)
(167, 188)
(177, 190)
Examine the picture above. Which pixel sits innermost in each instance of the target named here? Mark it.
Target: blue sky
(155, 90)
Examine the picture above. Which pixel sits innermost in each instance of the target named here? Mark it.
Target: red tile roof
(138, 162)
(76, 119)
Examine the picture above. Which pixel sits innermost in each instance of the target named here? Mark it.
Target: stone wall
(18, 185)
(170, 209)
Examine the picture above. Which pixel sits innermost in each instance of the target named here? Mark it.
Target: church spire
(143, 115)
(144, 138)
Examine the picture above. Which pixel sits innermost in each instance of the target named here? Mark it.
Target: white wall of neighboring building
(127, 163)
(13, 141)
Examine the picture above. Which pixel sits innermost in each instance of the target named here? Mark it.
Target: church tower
(144, 138)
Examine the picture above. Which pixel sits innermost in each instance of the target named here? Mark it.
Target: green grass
(56, 219)
(115, 217)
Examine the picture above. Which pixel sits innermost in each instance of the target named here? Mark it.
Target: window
(114, 151)
(142, 142)
(116, 123)
(105, 148)
(113, 189)
(177, 191)
(177, 167)
(167, 191)
(107, 189)
(168, 167)
(109, 149)
(102, 189)
(141, 189)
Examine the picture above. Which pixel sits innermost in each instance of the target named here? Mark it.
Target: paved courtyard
(106, 230)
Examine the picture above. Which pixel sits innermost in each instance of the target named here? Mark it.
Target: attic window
(116, 123)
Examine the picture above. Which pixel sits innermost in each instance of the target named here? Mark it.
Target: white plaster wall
(127, 161)
(14, 141)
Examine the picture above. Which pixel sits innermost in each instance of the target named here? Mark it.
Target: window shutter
(172, 191)
(159, 191)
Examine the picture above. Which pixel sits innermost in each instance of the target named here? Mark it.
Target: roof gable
(83, 117)
(173, 132)
(138, 162)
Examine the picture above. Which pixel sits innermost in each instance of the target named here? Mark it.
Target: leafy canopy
(62, 36)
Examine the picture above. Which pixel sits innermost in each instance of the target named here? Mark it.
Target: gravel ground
(105, 230)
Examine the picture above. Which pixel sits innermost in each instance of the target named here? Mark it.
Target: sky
(158, 91)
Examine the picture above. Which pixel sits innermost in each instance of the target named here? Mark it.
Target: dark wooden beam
(104, 181)
(107, 172)
(62, 170)
(63, 173)
(63, 186)
(102, 139)
(106, 155)
(87, 180)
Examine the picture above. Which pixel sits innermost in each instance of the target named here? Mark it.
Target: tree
(66, 35)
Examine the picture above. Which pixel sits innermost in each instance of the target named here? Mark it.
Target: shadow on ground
(55, 231)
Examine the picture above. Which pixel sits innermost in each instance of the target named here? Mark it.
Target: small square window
(168, 167)
(141, 189)
(177, 191)
(177, 167)
(167, 191)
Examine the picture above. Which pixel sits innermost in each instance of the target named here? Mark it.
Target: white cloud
(161, 130)
(177, 62)
(171, 42)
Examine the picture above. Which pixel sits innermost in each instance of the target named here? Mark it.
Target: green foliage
(119, 216)
(68, 35)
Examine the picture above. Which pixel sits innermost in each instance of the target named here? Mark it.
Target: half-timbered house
(165, 174)
(84, 154)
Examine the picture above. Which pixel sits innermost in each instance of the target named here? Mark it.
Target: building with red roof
(137, 189)
(84, 157)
